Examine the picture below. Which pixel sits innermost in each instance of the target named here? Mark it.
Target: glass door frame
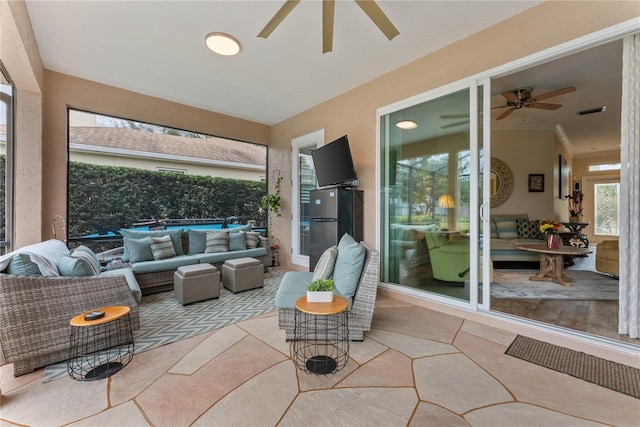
(382, 196)
(314, 138)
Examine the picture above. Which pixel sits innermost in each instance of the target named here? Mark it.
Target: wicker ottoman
(198, 282)
(242, 274)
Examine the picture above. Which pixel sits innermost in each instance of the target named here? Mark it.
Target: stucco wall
(354, 113)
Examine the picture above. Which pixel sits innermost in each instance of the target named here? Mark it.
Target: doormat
(612, 375)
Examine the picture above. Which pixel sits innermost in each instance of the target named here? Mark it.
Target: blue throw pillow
(21, 265)
(348, 267)
(176, 239)
(237, 241)
(139, 249)
(72, 266)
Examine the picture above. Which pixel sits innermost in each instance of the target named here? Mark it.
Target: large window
(7, 90)
(606, 208)
(124, 173)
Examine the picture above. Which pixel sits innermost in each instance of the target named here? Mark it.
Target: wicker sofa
(361, 309)
(35, 313)
(157, 275)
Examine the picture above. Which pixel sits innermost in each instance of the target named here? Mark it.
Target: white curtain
(629, 244)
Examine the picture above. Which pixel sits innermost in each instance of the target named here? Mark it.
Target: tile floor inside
(416, 367)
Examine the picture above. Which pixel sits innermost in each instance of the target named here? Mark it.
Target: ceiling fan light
(406, 124)
(222, 44)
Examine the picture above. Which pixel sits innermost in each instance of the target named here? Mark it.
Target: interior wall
(354, 112)
(67, 91)
(528, 151)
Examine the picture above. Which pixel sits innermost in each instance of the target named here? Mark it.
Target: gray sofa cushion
(131, 280)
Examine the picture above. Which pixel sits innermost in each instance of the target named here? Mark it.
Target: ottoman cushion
(241, 274)
(196, 282)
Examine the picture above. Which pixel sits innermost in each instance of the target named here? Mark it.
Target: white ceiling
(157, 48)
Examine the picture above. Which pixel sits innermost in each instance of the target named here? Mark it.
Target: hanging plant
(271, 202)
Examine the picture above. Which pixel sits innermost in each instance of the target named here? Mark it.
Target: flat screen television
(334, 165)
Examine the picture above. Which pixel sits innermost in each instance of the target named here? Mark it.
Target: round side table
(321, 335)
(99, 348)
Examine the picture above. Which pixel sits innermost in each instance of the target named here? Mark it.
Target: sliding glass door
(431, 193)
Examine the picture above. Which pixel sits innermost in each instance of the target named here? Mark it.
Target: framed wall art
(536, 183)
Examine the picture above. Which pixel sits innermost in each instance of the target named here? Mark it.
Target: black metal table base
(321, 342)
(97, 352)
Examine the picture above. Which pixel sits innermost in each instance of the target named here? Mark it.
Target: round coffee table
(552, 262)
(321, 335)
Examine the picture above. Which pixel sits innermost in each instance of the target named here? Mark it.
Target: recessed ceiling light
(222, 44)
(407, 124)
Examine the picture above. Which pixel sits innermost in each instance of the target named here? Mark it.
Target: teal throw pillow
(237, 241)
(161, 247)
(348, 267)
(326, 263)
(197, 241)
(89, 260)
(83, 248)
(71, 266)
(217, 242)
(21, 265)
(139, 249)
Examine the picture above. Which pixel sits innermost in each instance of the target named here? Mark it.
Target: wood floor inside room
(593, 317)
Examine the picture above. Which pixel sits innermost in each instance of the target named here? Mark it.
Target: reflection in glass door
(429, 203)
(304, 181)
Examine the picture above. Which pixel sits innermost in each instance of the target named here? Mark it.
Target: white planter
(321, 296)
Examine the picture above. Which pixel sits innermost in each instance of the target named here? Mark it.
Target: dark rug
(612, 375)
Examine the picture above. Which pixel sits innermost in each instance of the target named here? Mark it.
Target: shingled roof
(136, 140)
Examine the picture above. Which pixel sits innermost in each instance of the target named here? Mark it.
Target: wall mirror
(501, 182)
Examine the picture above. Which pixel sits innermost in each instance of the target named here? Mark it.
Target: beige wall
(526, 152)
(354, 113)
(20, 56)
(43, 189)
(64, 90)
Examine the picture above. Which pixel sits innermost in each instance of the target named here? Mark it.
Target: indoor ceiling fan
(369, 7)
(523, 98)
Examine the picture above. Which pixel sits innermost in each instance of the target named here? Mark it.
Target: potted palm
(320, 290)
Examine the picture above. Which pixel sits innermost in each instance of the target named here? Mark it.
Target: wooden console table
(552, 262)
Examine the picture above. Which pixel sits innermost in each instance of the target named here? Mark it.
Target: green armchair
(449, 257)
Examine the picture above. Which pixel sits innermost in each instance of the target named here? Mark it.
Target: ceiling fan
(522, 98)
(369, 7)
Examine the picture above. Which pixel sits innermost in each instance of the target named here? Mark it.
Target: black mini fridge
(333, 212)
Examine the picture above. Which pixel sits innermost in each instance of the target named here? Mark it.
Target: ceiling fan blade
(505, 114)
(450, 125)
(510, 97)
(278, 17)
(500, 106)
(553, 93)
(378, 17)
(328, 11)
(543, 106)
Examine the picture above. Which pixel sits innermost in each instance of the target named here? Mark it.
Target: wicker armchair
(361, 313)
(35, 314)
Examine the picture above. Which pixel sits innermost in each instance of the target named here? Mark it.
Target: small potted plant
(320, 290)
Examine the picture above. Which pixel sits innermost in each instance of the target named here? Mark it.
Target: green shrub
(320, 285)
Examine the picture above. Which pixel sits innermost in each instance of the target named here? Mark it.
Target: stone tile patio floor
(416, 367)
